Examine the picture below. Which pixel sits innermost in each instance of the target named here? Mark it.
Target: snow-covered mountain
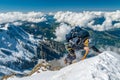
(105, 66)
(17, 48)
(20, 51)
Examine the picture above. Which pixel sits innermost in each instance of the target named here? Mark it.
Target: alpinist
(77, 38)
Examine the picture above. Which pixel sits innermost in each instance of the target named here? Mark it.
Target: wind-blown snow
(102, 67)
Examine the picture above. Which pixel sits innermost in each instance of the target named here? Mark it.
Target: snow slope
(17, 48)
(105, 66)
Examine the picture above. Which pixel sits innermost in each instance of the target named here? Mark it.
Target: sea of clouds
(82, 19)
(15, 16)
(86, 19)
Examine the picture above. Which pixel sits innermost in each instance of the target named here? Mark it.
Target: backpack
(77, 33)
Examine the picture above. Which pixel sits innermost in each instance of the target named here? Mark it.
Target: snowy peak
(20, 50)
(17, 48)
(105, 66)
(102, 67)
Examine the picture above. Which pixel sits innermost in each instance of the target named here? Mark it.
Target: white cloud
(61, 31)
(14, 16)
(82, 18)
(85, 19)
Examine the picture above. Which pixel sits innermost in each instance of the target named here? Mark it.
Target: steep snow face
(105, 66)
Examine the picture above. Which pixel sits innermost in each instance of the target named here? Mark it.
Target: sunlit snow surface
(105, 66)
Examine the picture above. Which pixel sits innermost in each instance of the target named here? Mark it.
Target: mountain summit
(105, 66)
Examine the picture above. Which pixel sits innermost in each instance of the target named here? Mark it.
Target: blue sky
(58, 5)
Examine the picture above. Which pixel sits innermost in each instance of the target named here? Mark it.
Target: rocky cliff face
(50, 50)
